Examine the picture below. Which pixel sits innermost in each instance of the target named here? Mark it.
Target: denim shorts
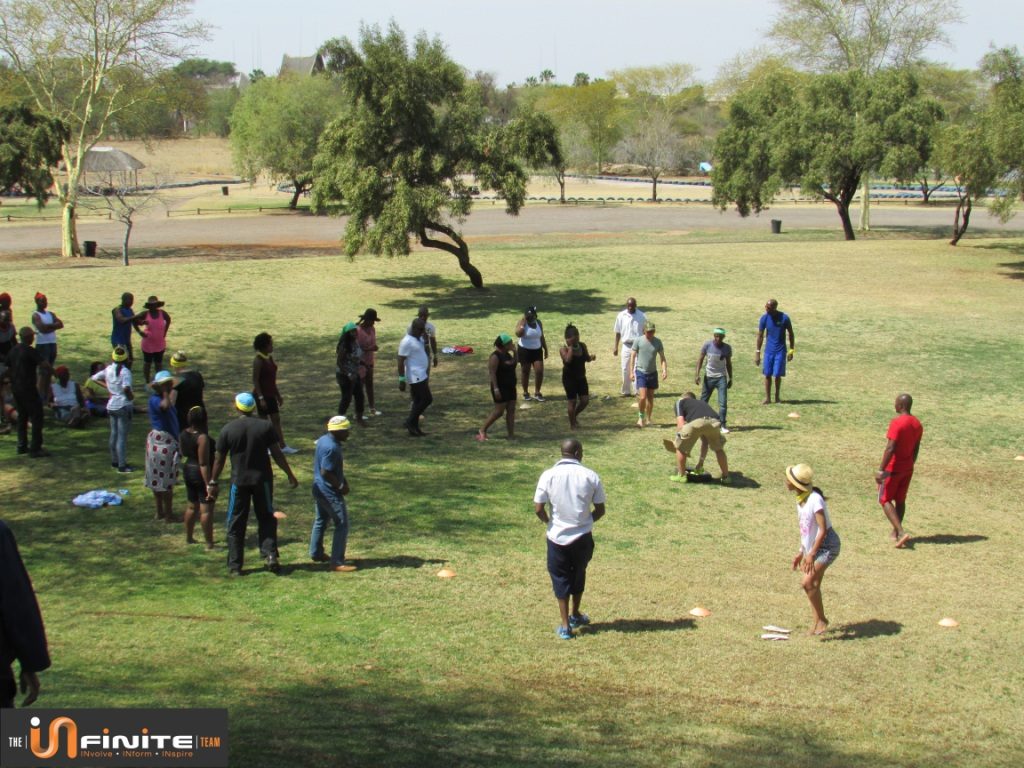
(829, 549)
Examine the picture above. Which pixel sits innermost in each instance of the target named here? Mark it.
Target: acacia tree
(966, 152)
(863, 36)
(75, 57)
(276, 125)
(825, 131)
(654, 144)
(593, 111)
(412, 130)
(29, 148)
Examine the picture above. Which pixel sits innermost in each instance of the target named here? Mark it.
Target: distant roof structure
(301, 65)
(109, 160)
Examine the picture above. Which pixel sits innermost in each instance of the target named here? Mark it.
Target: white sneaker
(725, 431)
(289, 450)
(375, 412)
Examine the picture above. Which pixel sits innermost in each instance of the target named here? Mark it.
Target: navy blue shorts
(567, 565)
(646, 380)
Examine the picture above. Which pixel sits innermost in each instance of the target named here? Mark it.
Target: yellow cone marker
(700, 612)
(446, 573)
(948, 622)
(794, 415)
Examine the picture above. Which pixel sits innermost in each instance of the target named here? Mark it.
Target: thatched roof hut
(112, 163)
(301, 65)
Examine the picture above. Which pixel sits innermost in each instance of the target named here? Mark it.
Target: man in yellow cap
(330, 487)
(249, 441)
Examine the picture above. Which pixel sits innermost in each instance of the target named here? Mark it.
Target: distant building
(301, 65)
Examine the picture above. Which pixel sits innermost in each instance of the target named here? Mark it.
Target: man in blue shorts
(577, 498)
(643, 362)
(775, 326)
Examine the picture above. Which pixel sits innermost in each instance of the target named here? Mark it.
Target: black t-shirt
(576, 368)
(692, 409)
(190, 393)
(247, 440)
(23, 364)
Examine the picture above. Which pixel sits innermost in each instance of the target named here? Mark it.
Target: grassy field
(394, 666)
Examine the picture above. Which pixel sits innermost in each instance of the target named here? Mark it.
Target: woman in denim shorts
(819, 543)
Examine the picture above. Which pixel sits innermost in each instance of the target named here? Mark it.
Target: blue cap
(245, 402)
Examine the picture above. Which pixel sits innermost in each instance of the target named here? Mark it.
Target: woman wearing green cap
(348, 354)
(502, 368)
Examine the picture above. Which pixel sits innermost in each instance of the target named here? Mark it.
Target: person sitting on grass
(95, 392)
(67, 400)
(819, 543)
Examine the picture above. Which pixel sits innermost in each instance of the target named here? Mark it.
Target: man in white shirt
(571, 489)
(629, 326)
(429, 328)
(414, 369)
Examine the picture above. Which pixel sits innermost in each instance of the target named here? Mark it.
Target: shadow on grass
(455, 299)
(946, 538)
(1015, 270)
(809, 402)
(640, 625)
(739, 480)
(454, 726)
(864, 630)
(754, 427)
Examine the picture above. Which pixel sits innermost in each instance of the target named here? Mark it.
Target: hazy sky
(520, 38)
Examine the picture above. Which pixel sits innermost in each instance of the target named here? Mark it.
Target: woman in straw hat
(819, 543)
(156, 323)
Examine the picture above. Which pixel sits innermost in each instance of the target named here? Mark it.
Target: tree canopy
(276, 124)
(823, 132)
(413, 129)
(29, 147)
(84, 63)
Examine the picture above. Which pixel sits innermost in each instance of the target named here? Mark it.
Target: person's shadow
(641, 625)
(946, 538)
(864, 630)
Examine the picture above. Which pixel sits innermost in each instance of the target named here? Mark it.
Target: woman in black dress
(575, 357)
(502, 369)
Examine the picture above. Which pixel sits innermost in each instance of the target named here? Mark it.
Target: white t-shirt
(808, 522)
(417, 362)
(116, 385)
(531, 336)
(630, 327)
(571, 489)
(64, 397)
(44, 337)
(429, 330)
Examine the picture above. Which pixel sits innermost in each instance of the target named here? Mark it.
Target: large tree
(413, 129)
(29, 148)
(79, 60)
(276, 125)
(864, 36)
(593, 111)
(823, 132)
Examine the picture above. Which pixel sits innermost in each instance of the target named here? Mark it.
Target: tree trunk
(865, 205)
(844, 215)
(459, 249)
(961, 218)
(124, 246)
(299, 189)
(68, 232)
(654, 189)
(560, 178)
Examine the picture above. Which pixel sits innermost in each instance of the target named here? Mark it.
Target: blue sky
(518, 39)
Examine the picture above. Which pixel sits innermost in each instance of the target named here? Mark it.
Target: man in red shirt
(897, 467)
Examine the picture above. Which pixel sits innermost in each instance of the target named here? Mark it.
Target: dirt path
(292, 230)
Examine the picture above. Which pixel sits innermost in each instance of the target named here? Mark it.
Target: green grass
(393, 666)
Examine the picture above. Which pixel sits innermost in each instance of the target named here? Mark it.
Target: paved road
(243, 229)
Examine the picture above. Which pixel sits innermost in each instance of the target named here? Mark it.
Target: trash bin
(776, 226)
(224, 191)
(90, 248)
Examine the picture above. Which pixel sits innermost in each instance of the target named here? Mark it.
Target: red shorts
(895, 487)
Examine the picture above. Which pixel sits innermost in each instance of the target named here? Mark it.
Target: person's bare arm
(598, 512)
(890, 449)
(541, 512)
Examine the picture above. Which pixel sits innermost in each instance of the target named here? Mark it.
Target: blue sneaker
(563, 633)
(575, 622)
